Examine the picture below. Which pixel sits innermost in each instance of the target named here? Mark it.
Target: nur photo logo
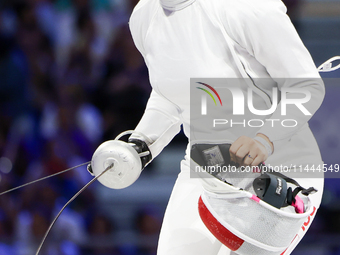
(243, 105)
(204, 97)
(239, 100)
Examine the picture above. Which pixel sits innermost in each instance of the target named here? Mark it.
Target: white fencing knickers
(183, 231)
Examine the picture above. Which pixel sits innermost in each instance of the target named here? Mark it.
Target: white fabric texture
(264, 231)
(165, 123)
(182, 231)
(175, 5)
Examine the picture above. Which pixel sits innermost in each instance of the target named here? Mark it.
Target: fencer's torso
(183, 44)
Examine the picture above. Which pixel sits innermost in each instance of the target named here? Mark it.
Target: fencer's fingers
(239, 149)
(257, 161)
(241, 154)
(253, 154)
(260, 157)
(249, 159)
(232, 151)
(235, 146)
(233, 160)
(245, 151)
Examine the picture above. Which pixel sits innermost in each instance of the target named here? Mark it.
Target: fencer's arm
(266, 32)
(160, 123)
(157, 127)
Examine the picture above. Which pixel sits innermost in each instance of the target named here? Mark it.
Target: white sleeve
(266, 32)
(160, 123)
(139, 22)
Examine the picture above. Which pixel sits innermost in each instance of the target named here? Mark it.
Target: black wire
(62, 209)
(43, 178)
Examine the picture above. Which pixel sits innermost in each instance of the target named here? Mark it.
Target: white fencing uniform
(182, 39)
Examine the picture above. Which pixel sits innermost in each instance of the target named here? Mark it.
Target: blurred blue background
(71, 78)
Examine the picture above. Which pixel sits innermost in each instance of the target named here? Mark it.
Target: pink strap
(299, 205)
(255, 198)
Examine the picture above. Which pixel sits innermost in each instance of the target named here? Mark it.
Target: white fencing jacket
(181, 39)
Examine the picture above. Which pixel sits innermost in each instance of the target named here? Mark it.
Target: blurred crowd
(70, 78)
